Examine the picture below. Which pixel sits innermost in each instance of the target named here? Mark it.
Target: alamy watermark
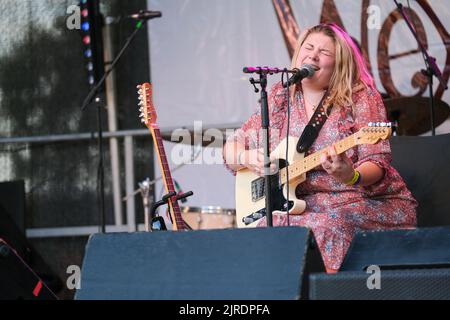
(374, 17)
(207, 145)
(73, 20)
(74, 279)
(374, 280)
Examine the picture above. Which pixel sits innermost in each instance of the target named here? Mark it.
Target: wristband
(355, 180)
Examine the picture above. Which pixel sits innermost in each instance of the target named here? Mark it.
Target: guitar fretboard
(179, 223)
(310, 162)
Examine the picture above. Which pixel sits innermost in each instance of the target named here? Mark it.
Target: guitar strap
(311, 131)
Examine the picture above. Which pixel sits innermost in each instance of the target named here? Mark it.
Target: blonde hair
(350, 72)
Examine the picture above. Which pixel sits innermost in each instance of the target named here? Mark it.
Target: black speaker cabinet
(17, 280)
(399, 249)
(16, 239)
(414, 284)
(229, 264)
(409, 265)
(427, 175)
(12, 200)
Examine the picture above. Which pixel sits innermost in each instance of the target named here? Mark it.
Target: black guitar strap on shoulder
(311, 131)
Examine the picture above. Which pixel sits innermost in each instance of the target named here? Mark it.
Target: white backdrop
(199, 47)
(197, 52)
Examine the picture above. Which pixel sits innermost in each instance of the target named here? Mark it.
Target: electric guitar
(250, 188)
(148, 115)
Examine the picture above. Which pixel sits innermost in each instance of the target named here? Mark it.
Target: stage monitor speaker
(399, 249)
(418, 284)
(17, 280)
(229, 264)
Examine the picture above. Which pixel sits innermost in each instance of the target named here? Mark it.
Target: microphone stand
(266, 142)
(263, 72)
(98, 101)
(430, 63)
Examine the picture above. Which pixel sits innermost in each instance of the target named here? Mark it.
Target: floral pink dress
(335, 211)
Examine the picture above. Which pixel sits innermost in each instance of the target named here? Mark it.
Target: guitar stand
(157, 222)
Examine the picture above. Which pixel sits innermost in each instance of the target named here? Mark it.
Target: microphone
(145, 15)
(305, 71)
(265, 70)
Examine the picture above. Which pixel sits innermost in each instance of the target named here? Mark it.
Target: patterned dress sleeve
(249, 134)
(368, 108)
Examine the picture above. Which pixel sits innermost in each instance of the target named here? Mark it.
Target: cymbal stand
(144, 188)
(432, 68)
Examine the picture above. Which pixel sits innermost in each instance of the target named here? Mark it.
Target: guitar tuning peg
(141, 109)
(142, 114)
(371, 124)
(140, 91)
(143, 120)
(141, 103)
(138, 86)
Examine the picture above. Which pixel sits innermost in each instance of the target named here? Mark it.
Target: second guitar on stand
(148, 115)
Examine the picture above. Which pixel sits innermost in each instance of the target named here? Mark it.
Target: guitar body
(252, 199)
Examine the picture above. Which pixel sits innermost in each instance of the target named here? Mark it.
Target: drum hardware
(412, 114)
(209, 217)
(144, 189)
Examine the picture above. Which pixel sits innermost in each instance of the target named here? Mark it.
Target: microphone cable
(287, 145)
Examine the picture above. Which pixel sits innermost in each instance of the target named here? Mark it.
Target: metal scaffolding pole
(111, 103)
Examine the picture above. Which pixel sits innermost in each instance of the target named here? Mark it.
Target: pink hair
(361, 65)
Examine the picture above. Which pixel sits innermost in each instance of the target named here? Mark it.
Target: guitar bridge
(258, 189)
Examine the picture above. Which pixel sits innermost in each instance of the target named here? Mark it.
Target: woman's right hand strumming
(254, 161)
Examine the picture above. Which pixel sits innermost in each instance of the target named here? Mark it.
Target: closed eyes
(326, 52)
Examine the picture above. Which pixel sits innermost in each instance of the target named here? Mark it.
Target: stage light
(85, 26)
(91, 36)
(87, 40)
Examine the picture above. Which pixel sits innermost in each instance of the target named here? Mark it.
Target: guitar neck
(175, 211)
(310, 162)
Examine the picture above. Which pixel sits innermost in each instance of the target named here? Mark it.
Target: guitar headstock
(146, 107)
(374, 132)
